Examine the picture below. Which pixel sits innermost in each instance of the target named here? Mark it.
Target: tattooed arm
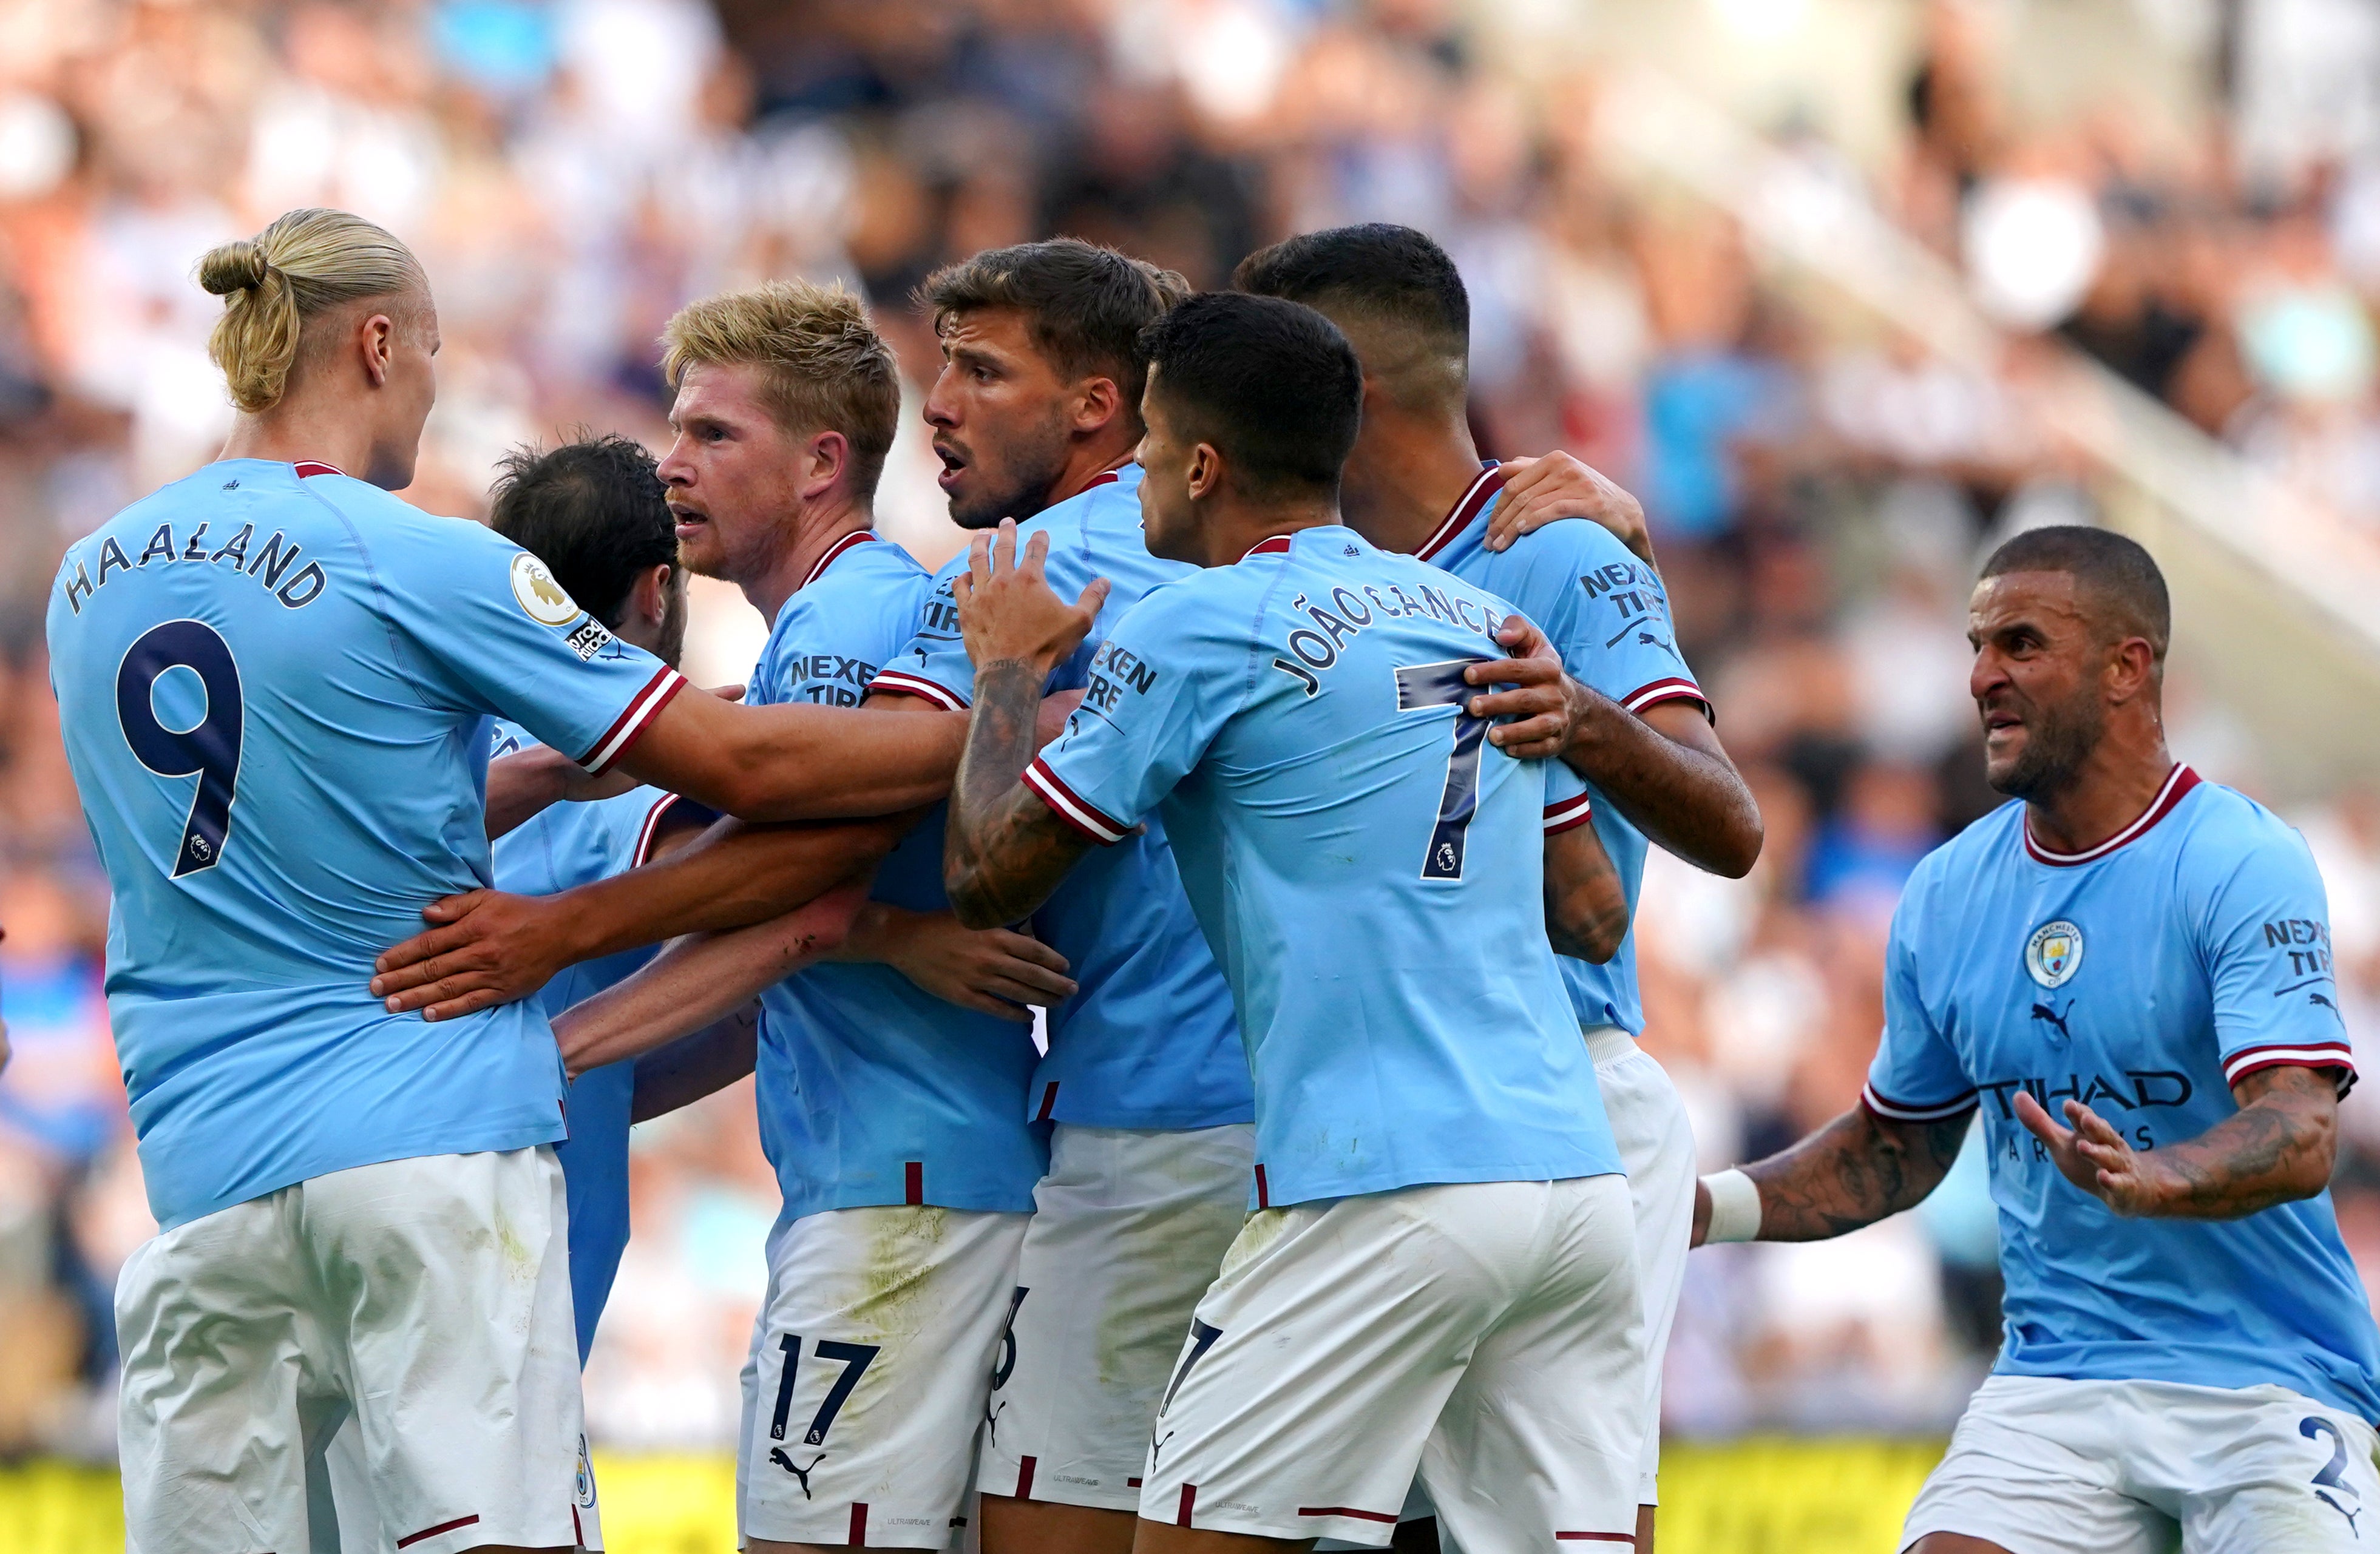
(2278, 1148)
(1856, 1170)
(1003, 850)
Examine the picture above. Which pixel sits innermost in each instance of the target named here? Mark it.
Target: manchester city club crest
(2054, 953)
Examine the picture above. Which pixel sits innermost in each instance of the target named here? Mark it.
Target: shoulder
(2221, 835)
(1577, 546)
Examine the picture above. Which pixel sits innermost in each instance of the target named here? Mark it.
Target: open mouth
(955, 464)
(688, 521)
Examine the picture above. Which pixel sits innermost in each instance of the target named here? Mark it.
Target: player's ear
(1206, 471)
(2131, 667)
(376, 338)
(649, 596)
(1097, 400)
(828, 456)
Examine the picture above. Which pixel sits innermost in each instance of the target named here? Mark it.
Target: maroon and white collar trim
(1491, 480)
(1104, 477)
(315, 466)
(2178, 784)
(1269, 547)
(817, 568)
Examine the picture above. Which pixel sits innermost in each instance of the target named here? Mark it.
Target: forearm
(694, 983)
(1000, 860)
(694, 1067)
(523, 785)
(2276, 1149)
(1586, 907)
(1687, 801)
(734, 877)
(1854, 1171)
(875, 931)
(799, 762)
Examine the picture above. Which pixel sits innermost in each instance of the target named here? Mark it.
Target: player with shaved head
(2128, 973)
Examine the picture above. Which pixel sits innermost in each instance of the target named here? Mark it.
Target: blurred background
(1846, 290)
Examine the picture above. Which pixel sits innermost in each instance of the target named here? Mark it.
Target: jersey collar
(817, 568)
(2178, 784)
(1458, 518)
(1272, 544)
(315, 466)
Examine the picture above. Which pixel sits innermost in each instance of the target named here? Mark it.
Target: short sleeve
(1917, 1077)
(496, 625)
(1567, 805)
(1623, 632)
(934, 666)
(1159, 694)
(2267, 943)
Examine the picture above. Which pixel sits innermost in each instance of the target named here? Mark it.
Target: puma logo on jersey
(2044, 1012)
(2325, 1498)
(777, 1456)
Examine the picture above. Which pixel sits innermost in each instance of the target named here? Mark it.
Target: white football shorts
(870, 1362)
(2044, 1465)
(1481, 1337)
(428, 1298)
(1656, 1145)
(1129, 1228)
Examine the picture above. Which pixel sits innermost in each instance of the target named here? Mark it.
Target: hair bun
(236, 266)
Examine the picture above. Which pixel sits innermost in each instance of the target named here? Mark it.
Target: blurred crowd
(570, 171)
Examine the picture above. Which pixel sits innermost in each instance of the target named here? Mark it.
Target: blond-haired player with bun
(275, 680)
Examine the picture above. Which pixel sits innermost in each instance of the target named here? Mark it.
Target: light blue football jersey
(1368, 869)
(873, 1090)
(1607, 615)
(275, 684)
(561, 847)
(2143, 978)
(1149, 1041)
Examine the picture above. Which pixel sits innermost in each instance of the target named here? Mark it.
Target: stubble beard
(2060, 738)
(1036, 458)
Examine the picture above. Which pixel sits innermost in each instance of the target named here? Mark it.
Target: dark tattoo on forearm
(2277, 1148)
(1004, 850)
(1857, 1170)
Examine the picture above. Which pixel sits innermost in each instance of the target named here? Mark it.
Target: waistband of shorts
(1608, 1043)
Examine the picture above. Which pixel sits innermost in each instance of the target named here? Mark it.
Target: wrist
(1736, 1210)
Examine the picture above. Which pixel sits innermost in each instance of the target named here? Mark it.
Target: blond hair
(823, 367)
(275, 284)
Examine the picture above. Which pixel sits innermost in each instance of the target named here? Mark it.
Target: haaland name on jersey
(273, 559)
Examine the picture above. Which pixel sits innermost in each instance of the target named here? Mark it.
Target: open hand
(2093, 1156)
(1538, 491)
(484, 948)
(1006, 610)
(1542, 704)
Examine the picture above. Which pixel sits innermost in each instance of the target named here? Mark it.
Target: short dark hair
(594, 511)
(1272, 384)
(2122, 577)
(1089, 305)
(1387, 272)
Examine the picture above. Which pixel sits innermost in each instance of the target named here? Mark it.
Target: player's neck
(2117, 782)
(311, 430)
(1407, 475)
(1233, 528)
(1105, 450)
(815, 532)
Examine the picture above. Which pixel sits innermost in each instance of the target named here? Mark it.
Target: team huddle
(1298, 766)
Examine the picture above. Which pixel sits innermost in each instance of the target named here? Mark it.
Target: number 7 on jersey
(1443, 686)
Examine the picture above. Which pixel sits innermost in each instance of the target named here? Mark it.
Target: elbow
(972, 902)
(2320, 1156)
(973, 907)
(1590, 931)
(1738, 848)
